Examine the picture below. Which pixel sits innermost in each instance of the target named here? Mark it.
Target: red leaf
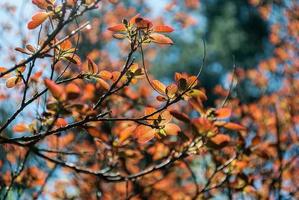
(163, 29)
(37, 19)
(43, 4)
(160, 39)
(20, 128)
(60, 122)
(117, 28)
(72, 90)
(56, 90)
(223, 112)
(234, 126)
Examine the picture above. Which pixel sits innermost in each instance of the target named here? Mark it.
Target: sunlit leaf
(13, 81)
(172, 129)
(158, 86)
(37, 19)
(163, 29)
(160, 39)
(171, 90)
(223, 112)
(117, 28)
(125, 133)
(106, 75)
(234, 126)
(144, 134)
(20, 128)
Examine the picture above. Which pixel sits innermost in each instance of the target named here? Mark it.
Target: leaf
(60, 122)
(106, 75)
(234, 126)
(171, 90)
(4, 69)
(223, 112)
(103, 84)
(180, 116)
(25, 51)
(31, 48)
(20, 128)
(92, 67)
(73, 91)
(160, 39)
(118, 28)
(165, 117)
(158, 86)
(73, 58)
(161, 98)
(163, 29)
(43, 4)
(182, 84)
(144, 134)
(13, 81)
(94, 132)
(198, 93)
(172, 129)
(35, 77)
(38, 19)
(125, 133)
(65, 45)
(143, 23)
(56, 90)
(192, 81)
(220, 139)
(119, 36)
(132, 20)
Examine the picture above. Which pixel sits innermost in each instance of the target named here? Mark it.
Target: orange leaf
(37, 19)
(223, 112)
(43, 4)
(163, 29)
(144, 134)
(20, 128)
(72, 90)
(106, 75)
(158, 86)
(143, 23)
(117, 28)
(56, 90)
(103, 84)
(171, 90)
(66, 45)
(220, 139)
(160, 39)
(60, 122)
(234, 126)
(172, 129)
(13, 81)
(132, 20)
(127, 132)
(166, 117)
